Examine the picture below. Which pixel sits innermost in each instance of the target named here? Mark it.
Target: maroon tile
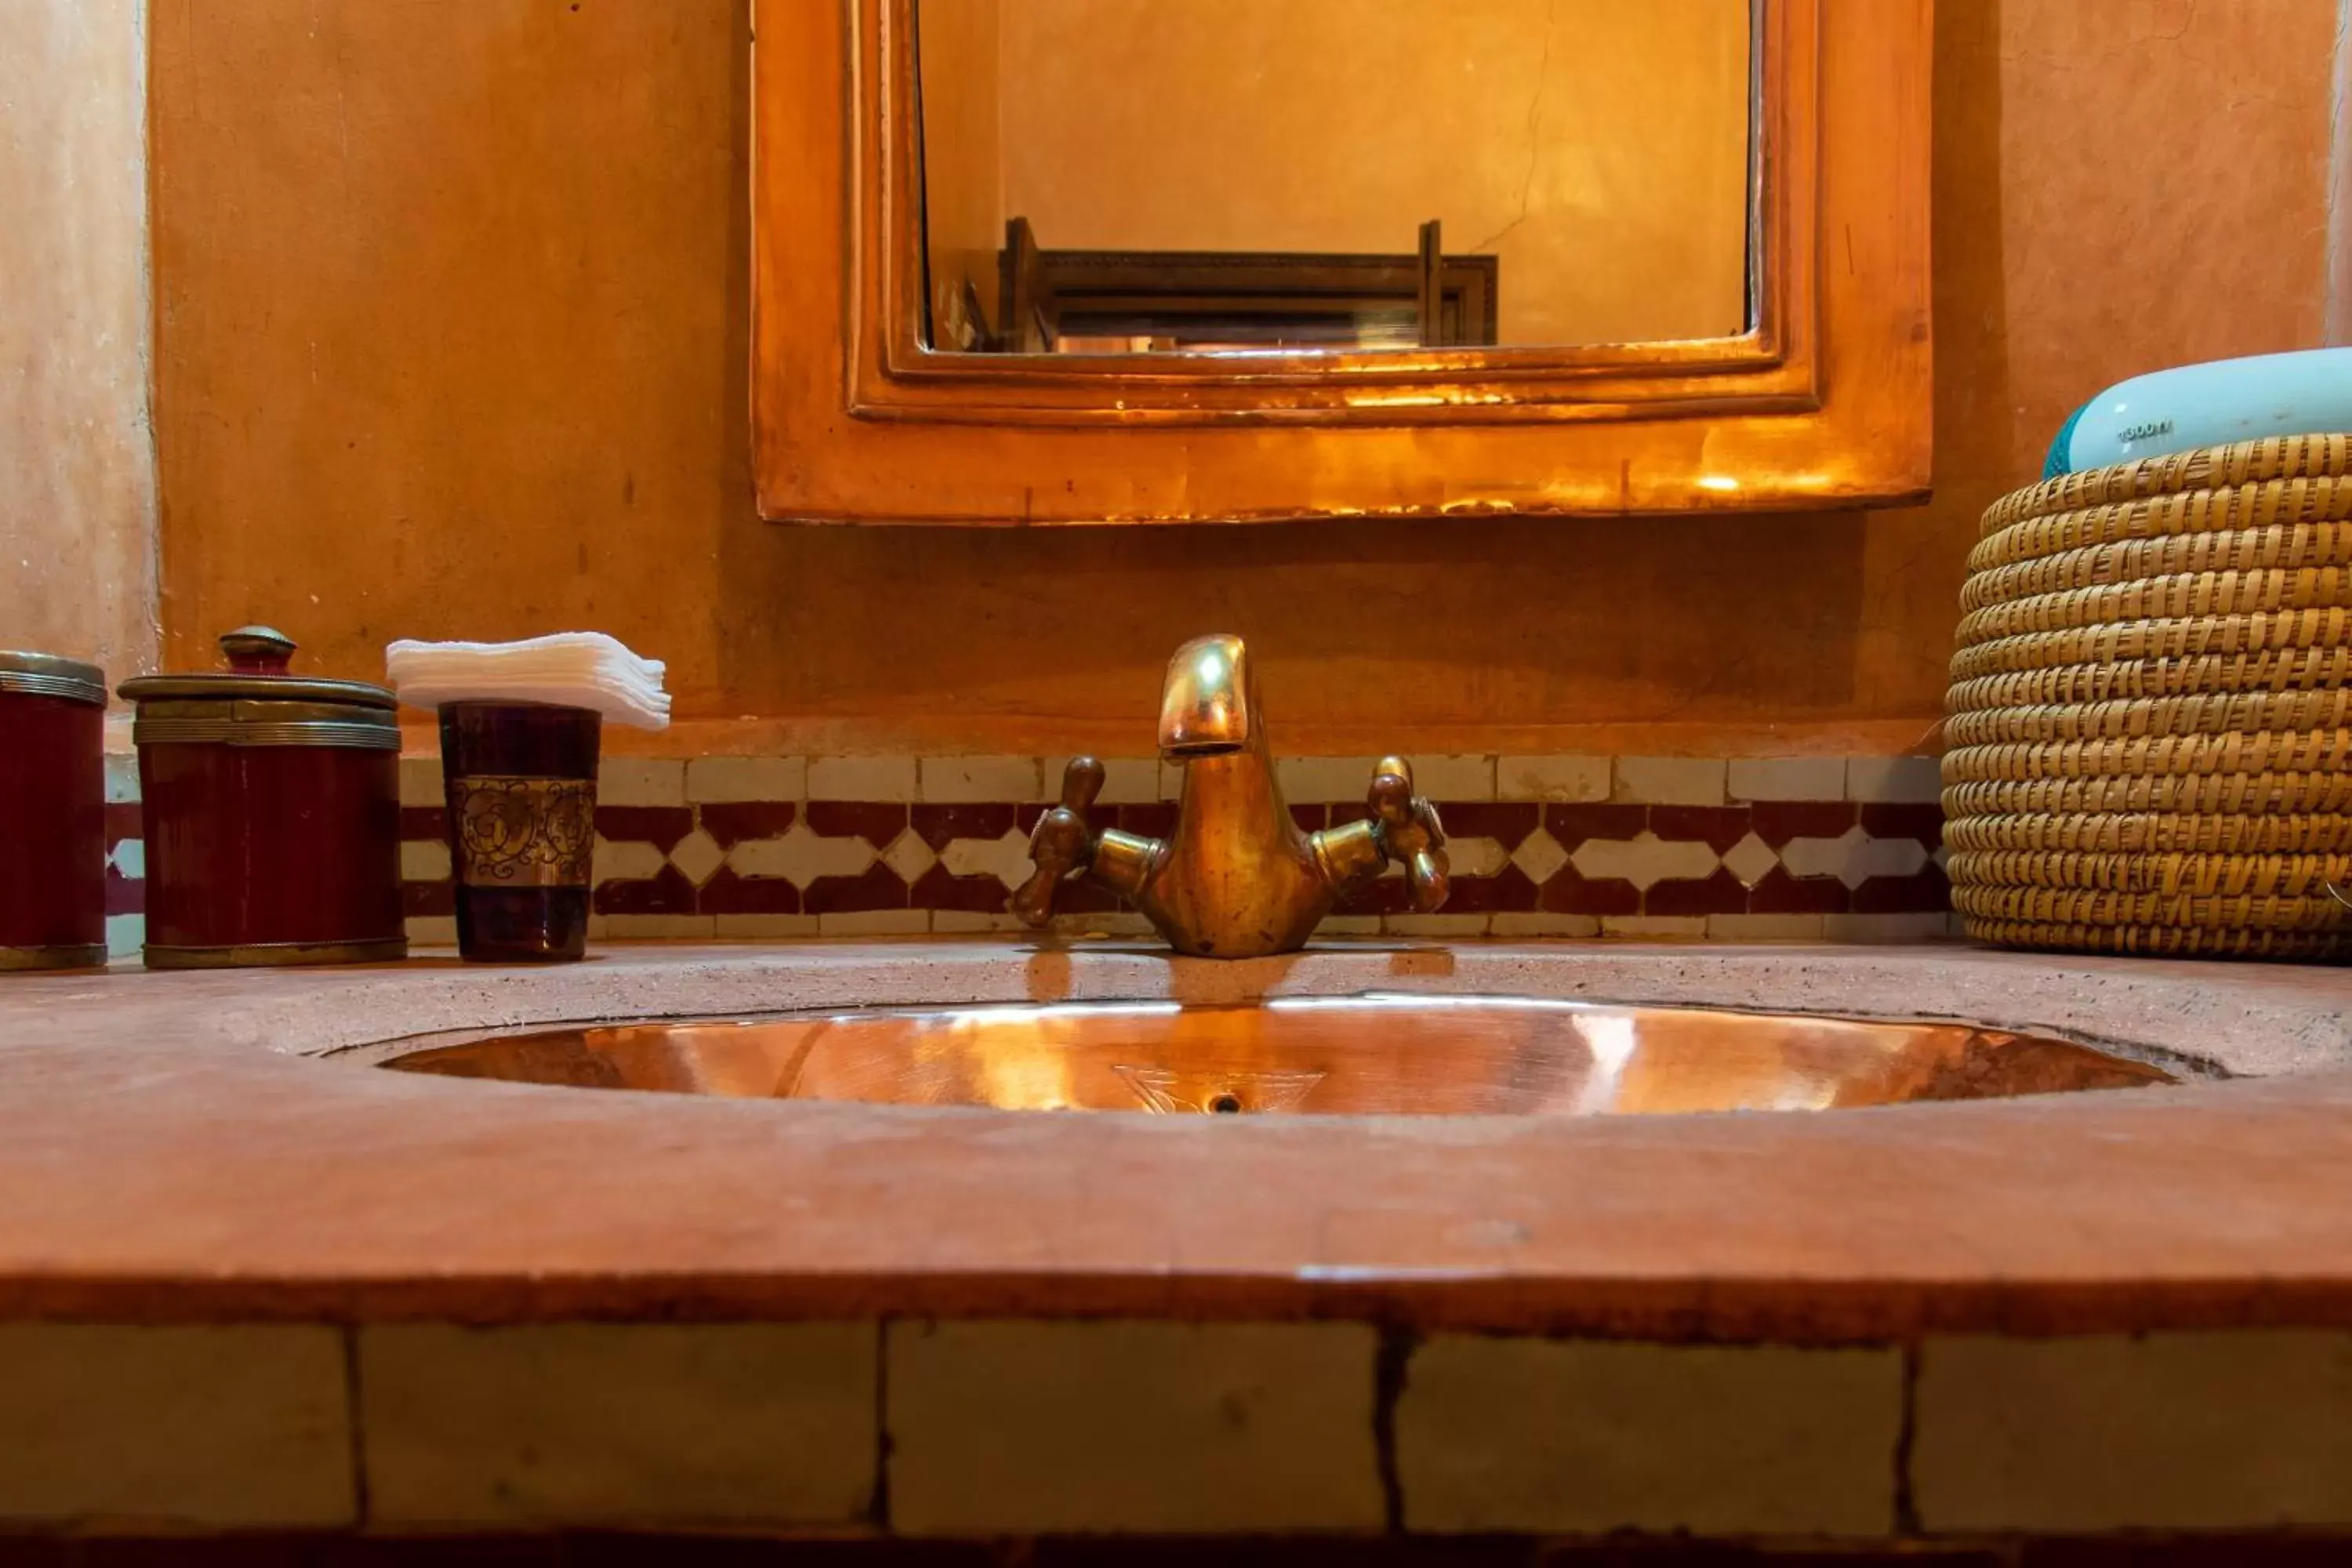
(936, 889)
(424, 824)
(1507, 822)
(665, 893)
(1568, 893)
(729, 894)
(1574, 822)
(1343, 812)
(1716, 826)
(1721, 894)
(734, 822)
(125, 895)
(1889, 819)
(1923, 892)
(939, 824)
(428, 898)
(875, 821)
(1377, 895)
(879, 888)
(1778, 893)
(2281, 1551)
(123, 820)
(659, 826)
(1777, 821)
(1506, 891)
(1150, 819)
(1311, 818)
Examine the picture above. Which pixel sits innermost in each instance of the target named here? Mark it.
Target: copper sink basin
(1388, 1055)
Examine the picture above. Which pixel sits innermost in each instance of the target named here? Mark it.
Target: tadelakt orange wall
(451, 324)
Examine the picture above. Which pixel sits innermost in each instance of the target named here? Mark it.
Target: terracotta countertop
(172, 1149)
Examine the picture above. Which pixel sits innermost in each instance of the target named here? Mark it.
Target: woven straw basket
(2149, 740)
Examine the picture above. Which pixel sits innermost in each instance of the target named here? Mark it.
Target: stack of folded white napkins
(573, 669)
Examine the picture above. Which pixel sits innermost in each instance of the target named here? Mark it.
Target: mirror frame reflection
(1823, 401)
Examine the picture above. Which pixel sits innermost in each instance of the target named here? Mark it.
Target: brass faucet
(1238, 878)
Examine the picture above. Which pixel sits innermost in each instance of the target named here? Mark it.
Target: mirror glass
(1151, 176)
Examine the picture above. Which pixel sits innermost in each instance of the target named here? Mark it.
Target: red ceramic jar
(271, 807)
(52, 812)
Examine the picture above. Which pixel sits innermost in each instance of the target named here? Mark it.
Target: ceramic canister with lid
(271, 807)
(52, 812)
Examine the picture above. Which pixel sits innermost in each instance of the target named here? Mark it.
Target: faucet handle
(1410, 832)
(1061, 843)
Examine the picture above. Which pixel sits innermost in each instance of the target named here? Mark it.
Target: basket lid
(258, 660)
(51, 675)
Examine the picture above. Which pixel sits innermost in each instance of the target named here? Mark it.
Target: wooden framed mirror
(1088, 367)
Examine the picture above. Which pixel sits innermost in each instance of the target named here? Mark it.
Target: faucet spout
(1238, 878)
(1208, 705)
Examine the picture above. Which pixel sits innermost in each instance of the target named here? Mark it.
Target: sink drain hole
(1226, 1104)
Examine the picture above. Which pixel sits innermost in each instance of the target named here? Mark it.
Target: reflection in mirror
(1132, 176)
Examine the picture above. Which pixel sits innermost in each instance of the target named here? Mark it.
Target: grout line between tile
(353, 1412)
(1390, 1360)
(1907, 1431)
(879, 1509)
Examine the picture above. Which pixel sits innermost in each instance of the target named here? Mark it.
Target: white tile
(125, 934)
(1885, 927)
(1005, 858)
(1448, 778)
(802, 856)
(1654, 928)
(1670, 780)
(1541, 923)
(971, 923)
(909, 857)
(122, 778)
(1539, 856)
(1439, 924)
(1349, 925)
(432, 931)
(231, 1426)
(579, 1423)
(2239, 1430)
(423, 861)
(129, 859)
(1751, 860)
(1127, 780)
(1075, 1427)
(1172, 780)
(1854, 857)
(716, 780)
(1560, 776)
(1786, 778)
(1644, 860)
(631, 861)
(1474, 857)
(1911, 779)
(421, 782)
(1582, 1438)
(875, 923)
(979, 779)
(862, 778)
(658, 928)
(1100, 927)
(1764, 928)
(641, 780)
(754, 927)
(698, 855)
(1316, 781)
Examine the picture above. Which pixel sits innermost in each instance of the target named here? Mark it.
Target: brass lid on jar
(257, 702)
(51, 675)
